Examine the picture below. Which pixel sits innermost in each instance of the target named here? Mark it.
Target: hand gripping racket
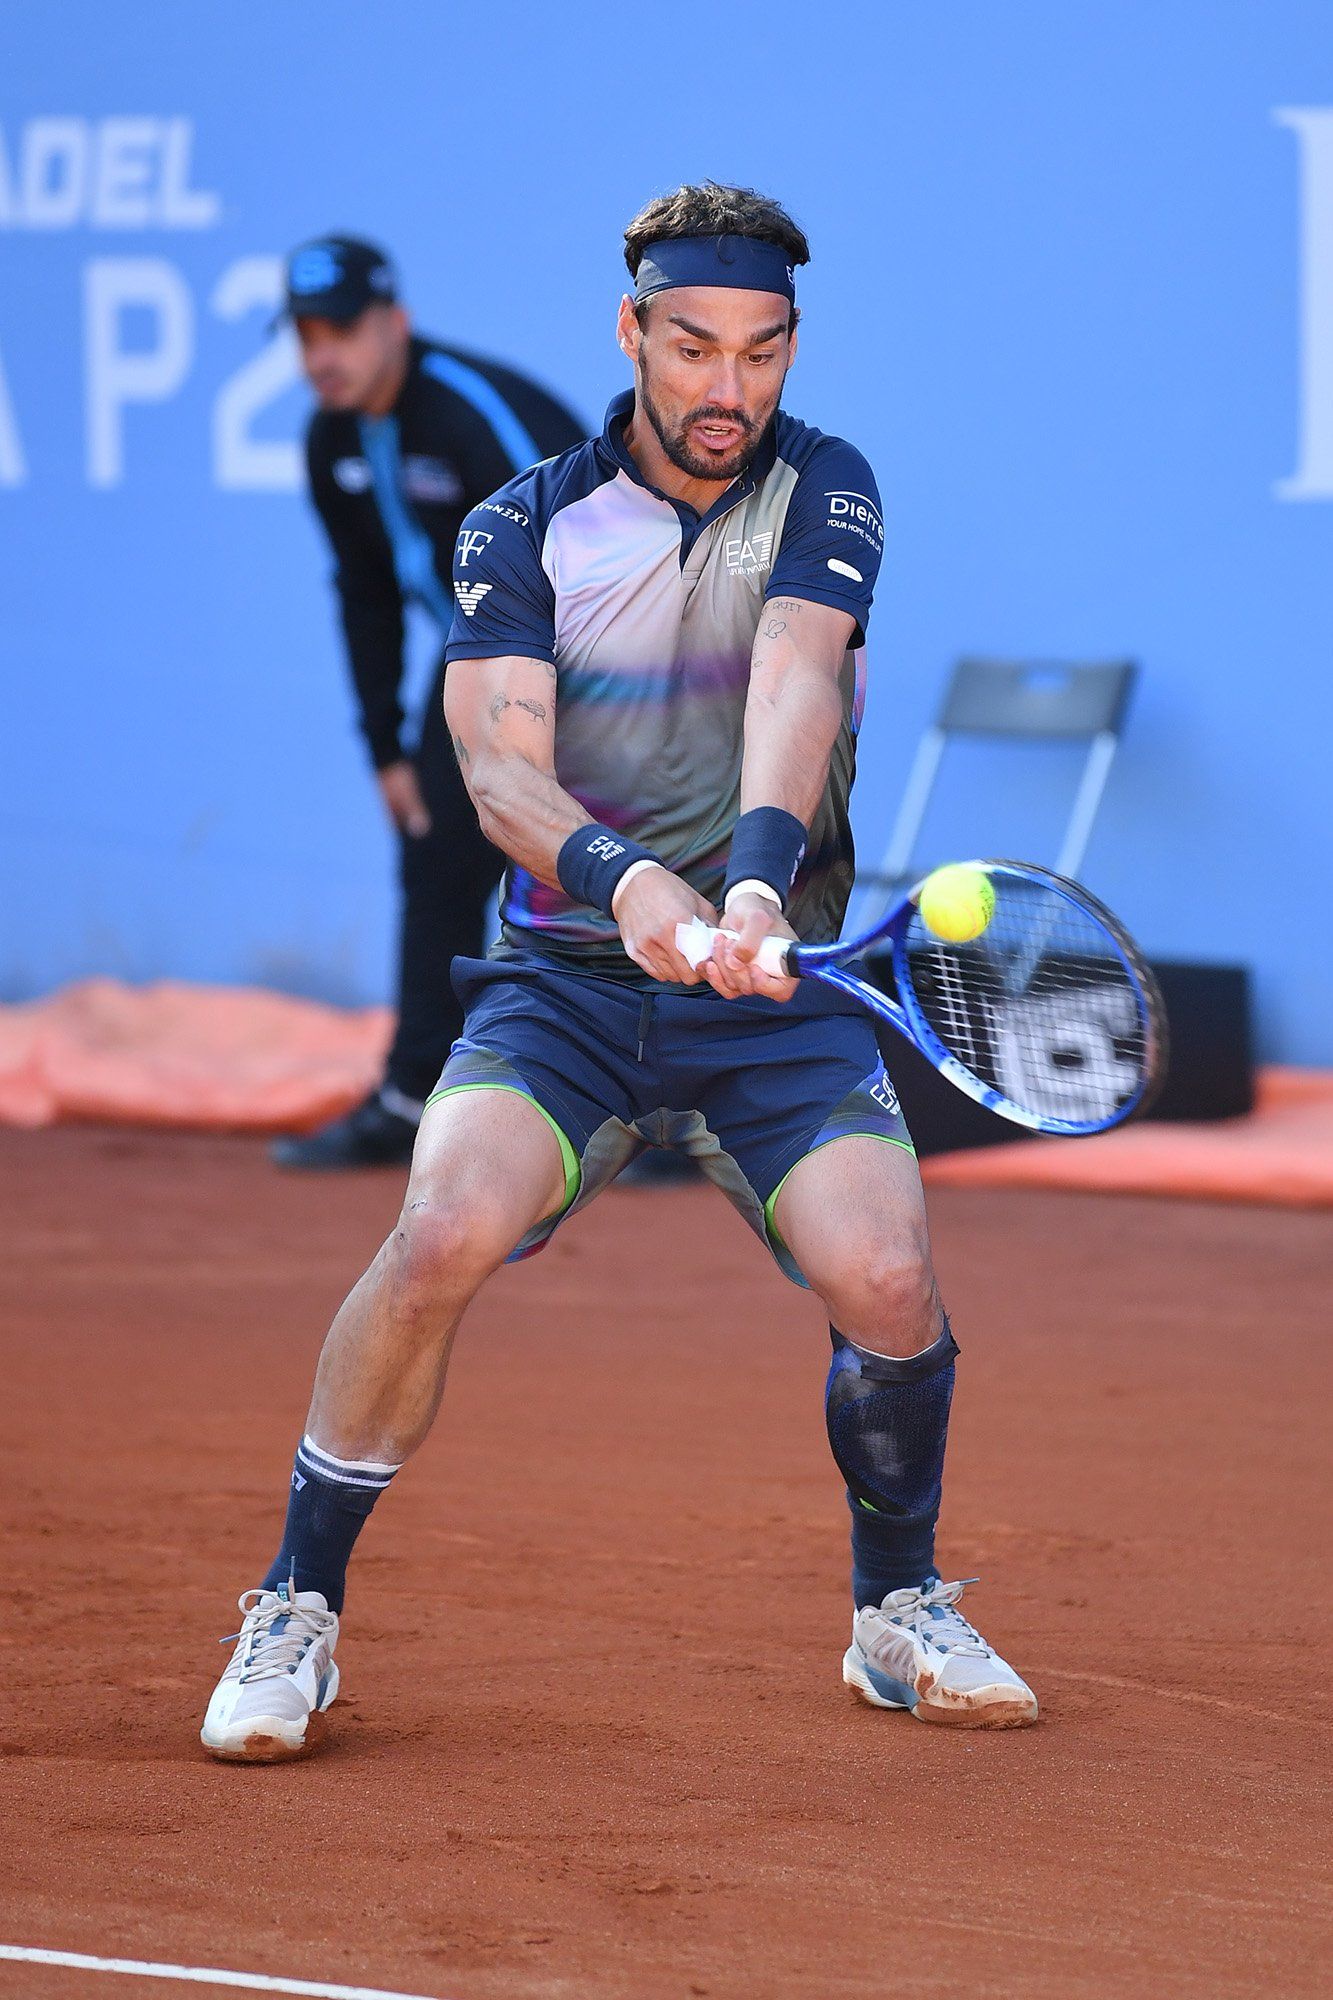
(1049, 1017)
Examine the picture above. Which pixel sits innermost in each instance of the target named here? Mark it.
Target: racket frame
(826, 962)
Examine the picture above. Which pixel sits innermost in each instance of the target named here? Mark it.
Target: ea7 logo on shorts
(883, 1092)
(750, 555)
(471, 543)
(861, 515)
(469, 595)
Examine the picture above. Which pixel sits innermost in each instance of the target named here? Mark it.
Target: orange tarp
(1282, 1153)
(209, 1057)
(239, 1059)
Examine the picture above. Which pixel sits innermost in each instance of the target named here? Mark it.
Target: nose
(725, 384)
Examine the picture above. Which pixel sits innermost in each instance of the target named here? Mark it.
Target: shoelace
(931, 1615)
(281, 1632)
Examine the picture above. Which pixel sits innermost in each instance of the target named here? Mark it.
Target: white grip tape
(694, 942)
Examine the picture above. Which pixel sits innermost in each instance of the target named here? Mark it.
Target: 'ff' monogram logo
(471, 543)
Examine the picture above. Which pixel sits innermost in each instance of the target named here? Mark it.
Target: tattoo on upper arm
(775, 628)
(536, 709)
(790, 604)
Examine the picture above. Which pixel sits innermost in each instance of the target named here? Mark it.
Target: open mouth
(715, 436)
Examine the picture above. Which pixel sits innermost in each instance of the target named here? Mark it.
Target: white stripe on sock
(348, 1464)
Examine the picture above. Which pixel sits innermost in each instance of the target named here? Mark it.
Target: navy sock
(887, 1423)
(330, 1502)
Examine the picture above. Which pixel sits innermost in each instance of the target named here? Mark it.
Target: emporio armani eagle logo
(470, 595)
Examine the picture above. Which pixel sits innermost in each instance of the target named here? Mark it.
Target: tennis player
(655, 680)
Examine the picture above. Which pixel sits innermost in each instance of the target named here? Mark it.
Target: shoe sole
(961, 1712)
(262, 1745)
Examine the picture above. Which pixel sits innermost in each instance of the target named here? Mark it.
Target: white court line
(203, 1975)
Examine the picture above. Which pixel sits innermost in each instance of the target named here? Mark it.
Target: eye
(760, 360)
(690, 353)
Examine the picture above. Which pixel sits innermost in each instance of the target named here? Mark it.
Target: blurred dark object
(1210, 1075)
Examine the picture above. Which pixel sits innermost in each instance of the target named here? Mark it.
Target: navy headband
(738, 263)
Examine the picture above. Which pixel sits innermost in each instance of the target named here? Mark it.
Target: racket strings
(1042, 1007)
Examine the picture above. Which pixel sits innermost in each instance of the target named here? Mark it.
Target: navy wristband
(768, 845)
(592, 861)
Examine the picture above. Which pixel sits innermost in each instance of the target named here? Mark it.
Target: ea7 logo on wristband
(605, 848)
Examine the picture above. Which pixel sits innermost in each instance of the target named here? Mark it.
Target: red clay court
(593, 1740)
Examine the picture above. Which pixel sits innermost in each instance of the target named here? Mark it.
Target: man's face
(709, 368)
(347, 365)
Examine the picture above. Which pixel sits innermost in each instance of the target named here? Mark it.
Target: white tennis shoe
(281, 1678)
(917, 1651)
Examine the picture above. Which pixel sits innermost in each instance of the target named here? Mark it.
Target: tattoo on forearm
(460, 749)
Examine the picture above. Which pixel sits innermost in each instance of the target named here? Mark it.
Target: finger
(723, 972)
(772, 987)
(754, 930)
(418, 822)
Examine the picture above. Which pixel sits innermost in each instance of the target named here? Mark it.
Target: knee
(440, 1253)
(885, 1298)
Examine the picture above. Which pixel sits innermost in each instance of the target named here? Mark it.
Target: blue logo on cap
(314, 269)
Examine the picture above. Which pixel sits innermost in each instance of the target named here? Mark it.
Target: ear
(792, 340)
(628, 331)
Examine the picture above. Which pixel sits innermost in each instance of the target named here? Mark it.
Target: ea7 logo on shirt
(855, 512)
(751, 555)
(469, 595)
(471, 543)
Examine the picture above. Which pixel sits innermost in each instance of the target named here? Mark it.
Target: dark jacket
(392, 491)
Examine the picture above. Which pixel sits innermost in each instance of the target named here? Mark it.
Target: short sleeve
(833, 534)
(503, 600)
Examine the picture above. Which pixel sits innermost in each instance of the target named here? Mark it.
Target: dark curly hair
(714, 209)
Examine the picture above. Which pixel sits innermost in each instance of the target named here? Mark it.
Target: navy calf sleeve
(887, 1423)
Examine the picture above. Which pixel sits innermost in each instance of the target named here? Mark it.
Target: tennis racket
(1049, 1017)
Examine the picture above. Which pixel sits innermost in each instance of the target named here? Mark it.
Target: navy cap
(337, 277)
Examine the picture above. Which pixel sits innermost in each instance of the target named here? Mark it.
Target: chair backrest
(1019, 701)
(1037, 698)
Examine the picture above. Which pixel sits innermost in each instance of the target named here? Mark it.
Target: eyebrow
(755, 339)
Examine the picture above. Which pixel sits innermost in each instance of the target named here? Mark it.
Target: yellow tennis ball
(957, 902)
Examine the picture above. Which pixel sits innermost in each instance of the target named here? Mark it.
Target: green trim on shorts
(569, 1158)
(770, 1206)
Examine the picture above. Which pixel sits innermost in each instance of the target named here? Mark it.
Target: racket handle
(694, 942)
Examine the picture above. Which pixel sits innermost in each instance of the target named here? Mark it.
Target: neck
(389, 386)
(645, 448)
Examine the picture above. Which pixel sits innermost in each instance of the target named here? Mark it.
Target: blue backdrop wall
(1072, 292)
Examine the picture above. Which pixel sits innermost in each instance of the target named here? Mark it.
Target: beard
(675, 440)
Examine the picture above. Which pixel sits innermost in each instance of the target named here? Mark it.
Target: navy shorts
(747, 1087)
